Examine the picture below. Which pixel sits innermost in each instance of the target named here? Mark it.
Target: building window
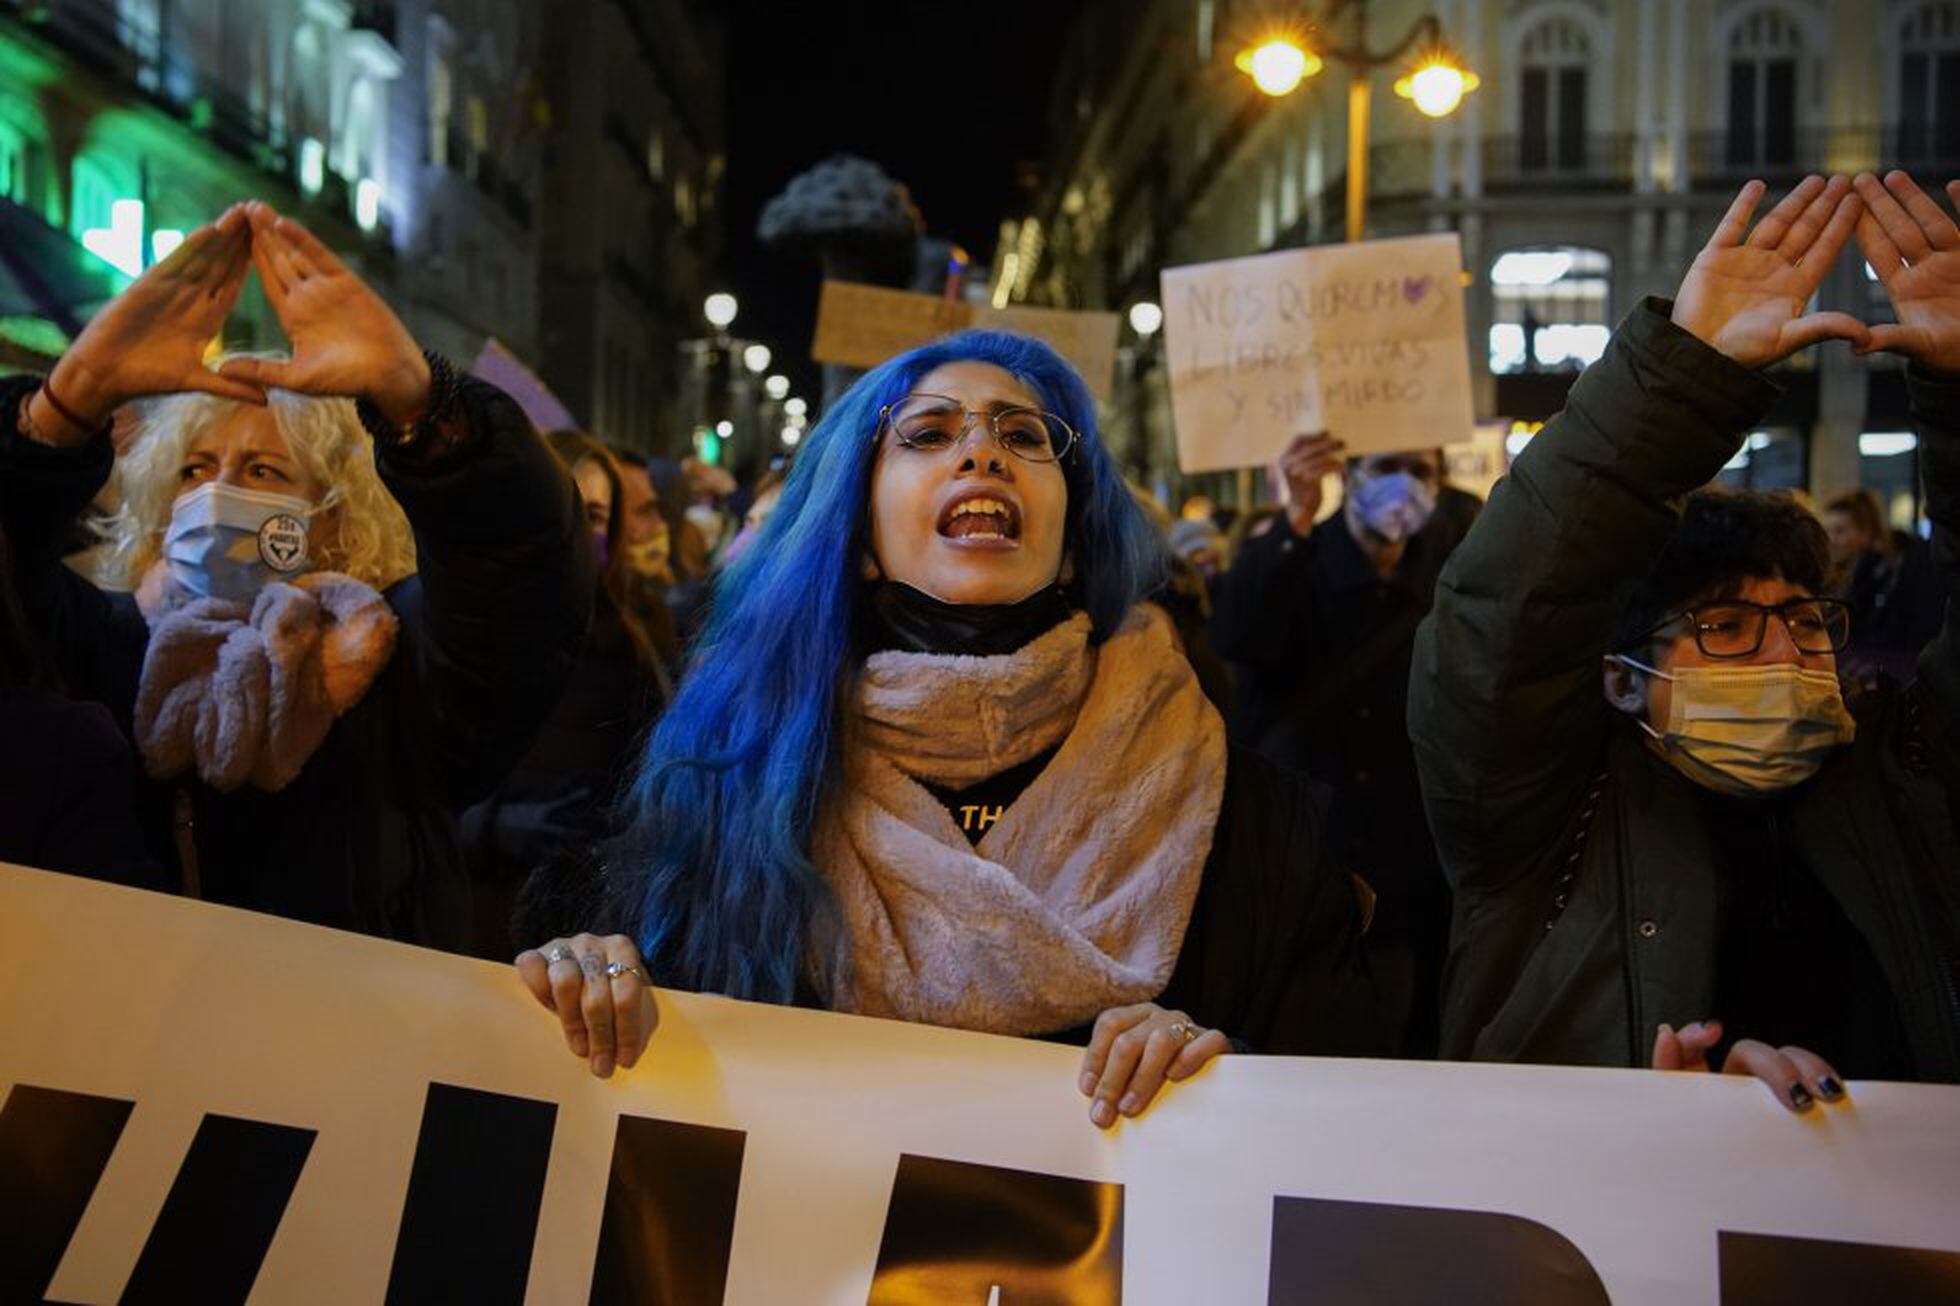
(1775, 459)
(1289, 183)
(476, 123)
(1268, 204)
(1929, 88)
(1549, 308)
(1763, 53)
(13, 164)
(442, 93)
(1552, 97)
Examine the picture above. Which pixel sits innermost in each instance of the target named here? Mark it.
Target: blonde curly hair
(371, 541)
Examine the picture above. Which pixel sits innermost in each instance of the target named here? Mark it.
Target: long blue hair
(712, 870)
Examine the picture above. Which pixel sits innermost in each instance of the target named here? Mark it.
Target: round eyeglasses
(1734, 628)
(928, 423)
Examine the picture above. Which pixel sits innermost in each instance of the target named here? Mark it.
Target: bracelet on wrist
(438, 410)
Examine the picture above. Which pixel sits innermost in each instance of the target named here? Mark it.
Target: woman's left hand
(346, 341)
(1134, 1050)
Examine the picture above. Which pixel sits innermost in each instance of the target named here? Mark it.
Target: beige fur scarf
(1078, 898)
(247, 694)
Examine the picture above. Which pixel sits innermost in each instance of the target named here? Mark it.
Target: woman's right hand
(151, 339)
(598, 990)
(1301, 471)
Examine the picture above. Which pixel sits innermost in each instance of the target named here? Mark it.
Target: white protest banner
(1364, 340)
(862, 326)
(204, 1104)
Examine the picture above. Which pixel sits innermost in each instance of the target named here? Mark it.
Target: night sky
(947, 98)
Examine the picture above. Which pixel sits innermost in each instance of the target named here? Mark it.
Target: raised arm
(1914, 247)
(1505, 702)
(494, 624)
(1264, 598)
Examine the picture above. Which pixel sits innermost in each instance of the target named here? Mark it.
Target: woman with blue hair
(936, 759)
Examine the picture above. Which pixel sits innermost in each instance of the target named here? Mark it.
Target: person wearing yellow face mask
(1717, 863)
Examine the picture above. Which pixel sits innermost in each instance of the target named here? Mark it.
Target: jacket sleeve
(1506, 706)
(1935, 404)
(1264, 599)
(494, 624)
(95, 645)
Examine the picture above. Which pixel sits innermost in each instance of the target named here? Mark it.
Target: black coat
(491, 625)
(67, 780)
(1320, 646)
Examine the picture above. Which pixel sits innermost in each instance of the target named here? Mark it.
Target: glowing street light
(1146, 318)
(791, 435)
(776, 386)
(719, 309)
(796, 406)
(1436, 85)
(1277, 65)
(756, 358)
(724, 428)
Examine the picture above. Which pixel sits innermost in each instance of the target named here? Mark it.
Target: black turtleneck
(902, 619)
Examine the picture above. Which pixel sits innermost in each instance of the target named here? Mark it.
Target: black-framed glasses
(928, 423)
(1734, 628)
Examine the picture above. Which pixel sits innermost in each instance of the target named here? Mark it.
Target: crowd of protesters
(947, 722)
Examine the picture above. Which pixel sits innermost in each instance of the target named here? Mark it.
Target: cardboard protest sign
(204, 1104)
(862, 326)
(1364, 340)
(1477, 464)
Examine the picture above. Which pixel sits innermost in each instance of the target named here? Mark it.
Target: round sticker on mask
(282, 543)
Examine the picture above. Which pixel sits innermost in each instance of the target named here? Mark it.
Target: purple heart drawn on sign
(1414, 288)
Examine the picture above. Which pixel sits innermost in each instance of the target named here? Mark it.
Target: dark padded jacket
(491, 625)
(1585, 875)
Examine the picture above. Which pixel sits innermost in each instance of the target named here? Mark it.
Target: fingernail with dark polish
(1830, 1088)
(1800, 1097)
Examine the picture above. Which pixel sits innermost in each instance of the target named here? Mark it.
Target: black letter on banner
(473, 1198)
(670, 1214)
(53, 1148)
(1331, 1253)
(956, 1230)
(1760, 1267)
(224, 1206)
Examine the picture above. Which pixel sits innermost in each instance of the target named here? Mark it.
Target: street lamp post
(1436, 81)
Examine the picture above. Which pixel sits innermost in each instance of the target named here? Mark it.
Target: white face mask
(1750, 730)
(225, 542)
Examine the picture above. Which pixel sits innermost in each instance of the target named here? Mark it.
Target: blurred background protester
(690, 549)
(1318, 622)
(67, 775)
(1888, 578)
(558, 796)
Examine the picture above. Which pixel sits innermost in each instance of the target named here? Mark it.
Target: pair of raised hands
(1747, 291)
(151, 339)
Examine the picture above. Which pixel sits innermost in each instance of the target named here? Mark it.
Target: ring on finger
(618, 968)
(1185, 1031)
(557, 955)
(592, 964)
